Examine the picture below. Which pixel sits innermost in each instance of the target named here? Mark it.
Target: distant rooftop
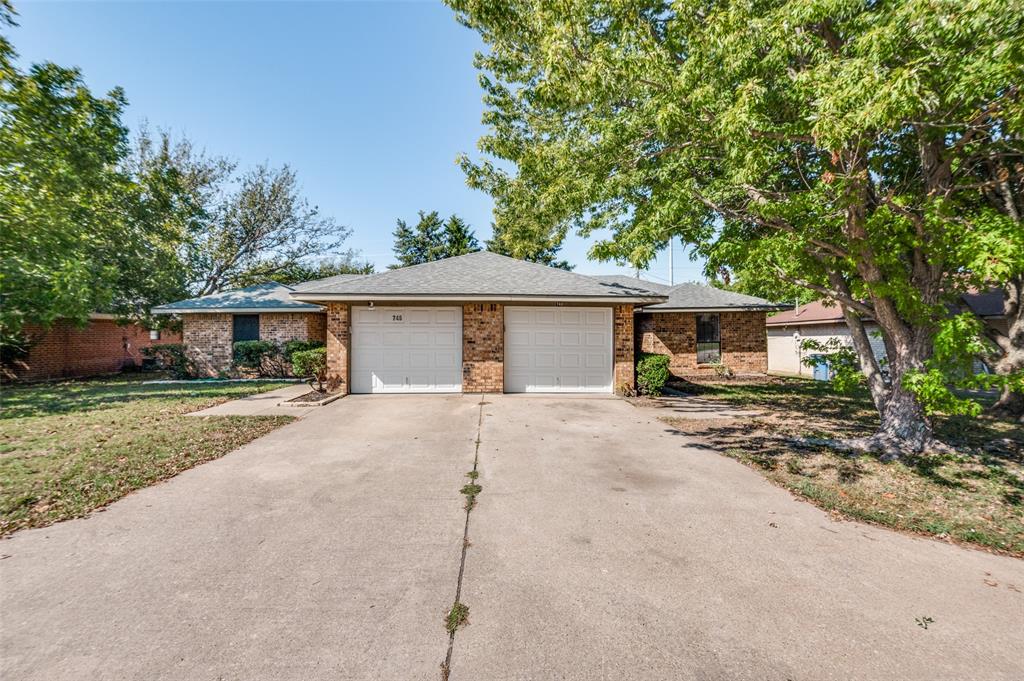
(266, 297)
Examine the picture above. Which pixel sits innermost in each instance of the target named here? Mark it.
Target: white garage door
(406, 349)
(558, 350)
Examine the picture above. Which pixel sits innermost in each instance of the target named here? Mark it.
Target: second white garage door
(558, 349)
(406, 349)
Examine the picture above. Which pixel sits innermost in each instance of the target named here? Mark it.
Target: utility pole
(671, 269)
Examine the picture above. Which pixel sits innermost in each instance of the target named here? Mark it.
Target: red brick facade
(743, 337)
(623, 344)
(339, 345)
(483, 348)
(209, 337)
(101, 347)
(281, 327)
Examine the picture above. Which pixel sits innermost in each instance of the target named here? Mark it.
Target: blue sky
(369, 102)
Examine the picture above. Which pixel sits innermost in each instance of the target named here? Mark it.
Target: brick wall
(207, 339)
(101, 347)
(744, 341)
(339, 344)
(285, 326)
(623, 345)
(483, 348)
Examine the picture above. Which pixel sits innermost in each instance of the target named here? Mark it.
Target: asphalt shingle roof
(475, 275)
(326, 281)
(632, 283)
(269, 296)
(701, 297)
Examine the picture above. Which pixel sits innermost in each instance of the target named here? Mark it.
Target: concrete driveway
(602, 547)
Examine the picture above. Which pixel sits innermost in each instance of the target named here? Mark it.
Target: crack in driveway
(457, 613)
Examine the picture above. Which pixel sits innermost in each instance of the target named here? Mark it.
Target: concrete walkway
(262, 404)
(603, 546)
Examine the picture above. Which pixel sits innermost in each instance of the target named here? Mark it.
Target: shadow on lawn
(989, 449)
(44, 399)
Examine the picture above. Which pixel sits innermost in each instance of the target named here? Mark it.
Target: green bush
(173, 357)
(652, 373)
(312, 366)
(261, 356)
(293, 346)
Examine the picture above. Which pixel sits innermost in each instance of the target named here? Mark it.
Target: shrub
(293, 346)
(173, 357)
(312, 366)
(652, 373)
(260, 356)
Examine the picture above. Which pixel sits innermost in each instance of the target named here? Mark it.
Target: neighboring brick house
(483, 322)
(102, 346)
(704, 330)
(212, 324)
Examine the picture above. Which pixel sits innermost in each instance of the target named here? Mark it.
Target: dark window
(709, 339)
(247, 327)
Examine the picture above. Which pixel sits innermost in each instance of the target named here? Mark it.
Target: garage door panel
(446, 339)
(544, 338)
(569, 361)
(546, 316)
(574, 356)
(406, 349)
(450, 316)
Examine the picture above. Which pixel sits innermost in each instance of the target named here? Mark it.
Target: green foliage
(173, 357)
(299, 272)
(291, 347)
(871, 152)
(258, 355)
(846, 375)
(432, 239)
(652, 373)
(543, 252)
(312, 365)
(62, 200)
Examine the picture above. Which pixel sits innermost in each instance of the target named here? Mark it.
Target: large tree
(828, 145)
(227, 229)
(66, 233)
(432, 238)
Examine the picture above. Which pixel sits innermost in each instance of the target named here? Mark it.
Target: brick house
(483, 322)
(704, 330)
(212, 324)
(102, 346)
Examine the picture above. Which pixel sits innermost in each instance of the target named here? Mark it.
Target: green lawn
(975, 496)
(69, 448)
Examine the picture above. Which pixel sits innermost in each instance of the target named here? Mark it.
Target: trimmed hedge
(293, 346)
(652, 373)
(312, 366)
(252, 354)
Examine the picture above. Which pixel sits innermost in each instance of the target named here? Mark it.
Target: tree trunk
(1011, 347)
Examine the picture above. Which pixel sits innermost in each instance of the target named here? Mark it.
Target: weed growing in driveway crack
(456, 617)
(473, 475)
(471, 490)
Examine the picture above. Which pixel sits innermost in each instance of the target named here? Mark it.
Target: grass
(456, 617)
(69, 448)
(973, 496)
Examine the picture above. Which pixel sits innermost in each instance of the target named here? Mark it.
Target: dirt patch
(973, 496)
(311, 396)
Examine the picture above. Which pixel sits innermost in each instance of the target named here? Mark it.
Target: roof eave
(720, 308)
(233, 310)
(408, 297)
